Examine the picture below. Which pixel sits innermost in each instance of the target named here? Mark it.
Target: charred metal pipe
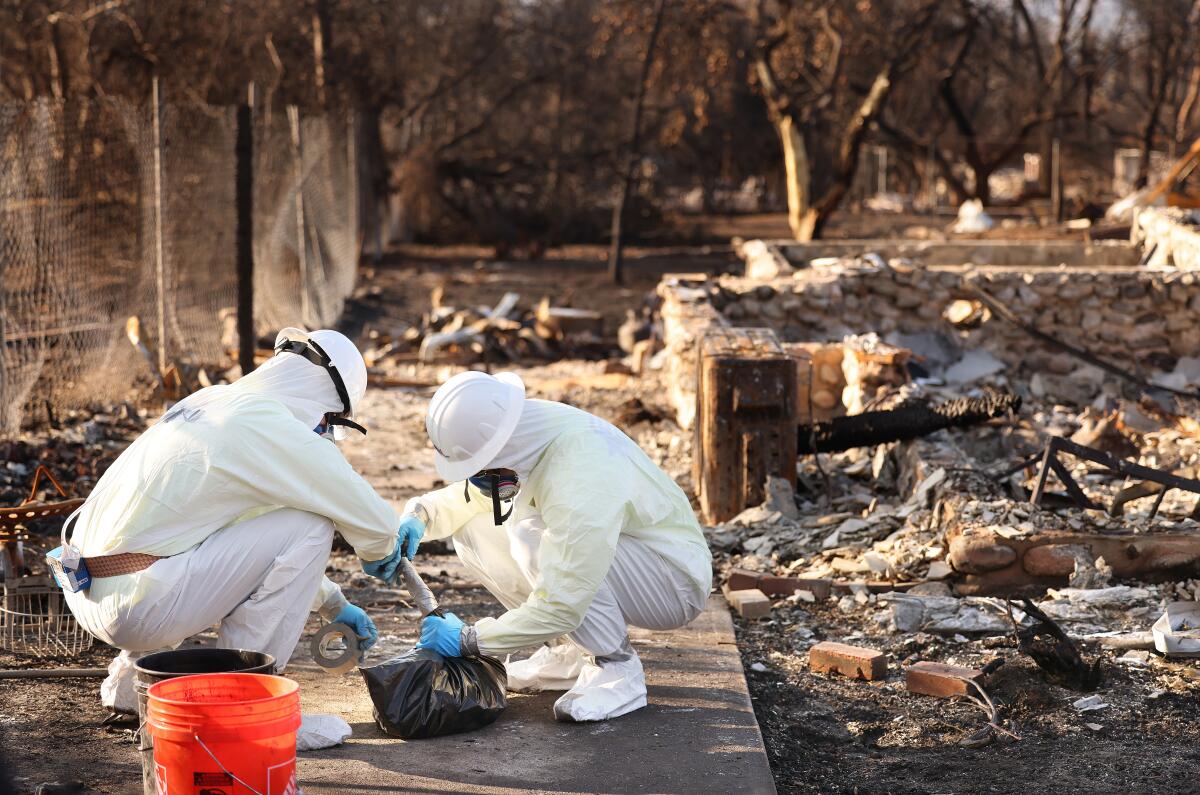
(901, 424)
(54, 673)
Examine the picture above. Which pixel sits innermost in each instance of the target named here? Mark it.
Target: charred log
(903, 423)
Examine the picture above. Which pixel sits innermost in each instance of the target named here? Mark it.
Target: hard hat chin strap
(315, 354)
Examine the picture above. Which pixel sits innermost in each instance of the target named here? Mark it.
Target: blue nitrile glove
(409, 536)
(357, 618)
(443, 635)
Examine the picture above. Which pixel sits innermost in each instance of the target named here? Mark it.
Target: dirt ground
(823, 733)
(829, 734)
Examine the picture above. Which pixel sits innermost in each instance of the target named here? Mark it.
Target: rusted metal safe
(745, 419)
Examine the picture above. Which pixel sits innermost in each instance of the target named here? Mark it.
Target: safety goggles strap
(315, 354)
(345, 423)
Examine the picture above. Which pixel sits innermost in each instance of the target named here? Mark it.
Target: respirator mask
(498, 485)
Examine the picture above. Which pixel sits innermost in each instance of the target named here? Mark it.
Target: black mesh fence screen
(105, 216)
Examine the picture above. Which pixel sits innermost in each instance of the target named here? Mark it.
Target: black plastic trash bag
(423, 694)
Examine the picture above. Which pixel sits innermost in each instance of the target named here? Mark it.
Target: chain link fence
(106, 215)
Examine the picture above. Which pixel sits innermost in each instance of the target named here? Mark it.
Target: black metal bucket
(185, 662)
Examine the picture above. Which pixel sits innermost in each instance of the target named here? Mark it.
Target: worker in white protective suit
(223, 513)
(572, 528)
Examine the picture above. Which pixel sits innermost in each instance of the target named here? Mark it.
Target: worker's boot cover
(550, 668)
(612, 686)
(117, 690)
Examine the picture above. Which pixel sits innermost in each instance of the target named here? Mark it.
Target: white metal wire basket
(34, 619)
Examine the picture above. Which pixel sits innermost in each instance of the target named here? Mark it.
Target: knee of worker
(130, 637)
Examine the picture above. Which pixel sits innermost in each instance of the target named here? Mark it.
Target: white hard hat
(345, 365)
(470, 418)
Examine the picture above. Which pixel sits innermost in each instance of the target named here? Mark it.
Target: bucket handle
(224, 769)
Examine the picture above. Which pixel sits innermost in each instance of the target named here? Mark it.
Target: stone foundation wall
(769, 259)
(1136, 317)
(1123, 313)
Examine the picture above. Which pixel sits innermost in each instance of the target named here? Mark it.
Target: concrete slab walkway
(698, 734)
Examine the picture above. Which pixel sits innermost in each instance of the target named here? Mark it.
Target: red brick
(750, 603)
(853, 661)
(937, 679)
(786, 586)
(742, 580)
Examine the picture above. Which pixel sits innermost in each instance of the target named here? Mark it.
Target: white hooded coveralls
(235, 489)
(599, 537)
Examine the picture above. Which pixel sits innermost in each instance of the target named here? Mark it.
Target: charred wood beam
(903, 423)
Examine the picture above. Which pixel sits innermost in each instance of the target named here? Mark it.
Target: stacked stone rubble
(1171, 235)
(687, 315)
(1126, 314)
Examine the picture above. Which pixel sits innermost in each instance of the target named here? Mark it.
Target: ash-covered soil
(826, 733)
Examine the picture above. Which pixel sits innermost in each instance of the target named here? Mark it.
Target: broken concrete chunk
(877, 563)
(780, 498)
(938, 679)
(762, 545)
(930, 589)
(852, 526)
(975, 365)
(939, 570)
(854, 661)
(946, 615)
(1089, 704)
(1115, 598)
(921, 494)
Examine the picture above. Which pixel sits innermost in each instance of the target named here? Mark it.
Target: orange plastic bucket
(224, 734)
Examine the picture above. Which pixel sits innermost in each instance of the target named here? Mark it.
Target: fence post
(301, 248)
(156, 126)
(6, 411)
(244, 175)
(1056, 207)
(352, 175)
